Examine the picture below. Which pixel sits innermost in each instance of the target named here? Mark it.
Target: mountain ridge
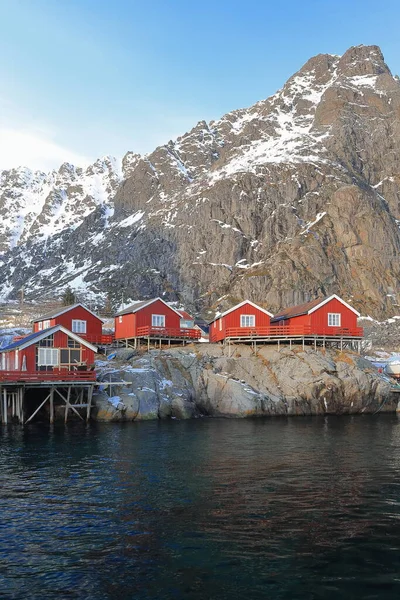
(293, 197)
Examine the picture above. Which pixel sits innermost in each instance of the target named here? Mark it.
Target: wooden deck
(73, 389)
(41, 377)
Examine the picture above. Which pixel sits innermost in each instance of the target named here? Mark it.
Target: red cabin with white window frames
(243, 320)
(52, 353)
(78, 319)
(154, 319)
(330, 316)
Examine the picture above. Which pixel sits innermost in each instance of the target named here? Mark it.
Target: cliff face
(206, 382)
(296, 196)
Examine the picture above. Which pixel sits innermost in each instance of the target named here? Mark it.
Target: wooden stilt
(341, 344)
(303, 345)
(71, 406)
(90, 396)
(148, 344)
(279, 346)
(38, 408)
(5, 408)
(67, 402)
(51, 405)
(315, 343)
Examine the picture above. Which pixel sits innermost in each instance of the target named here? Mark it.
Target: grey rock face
(185, 384)
(294, 197)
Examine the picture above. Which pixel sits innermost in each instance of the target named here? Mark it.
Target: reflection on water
(209, 509)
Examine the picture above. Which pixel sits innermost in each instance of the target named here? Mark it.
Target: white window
(46, 324)
(247, 321)
(120, 319)
(78, 326)
(158, 320)
(220, 324)
(333, 319)
(48, 357)
(3, 362)
(186, 324)
(40, 325)
(16, 360)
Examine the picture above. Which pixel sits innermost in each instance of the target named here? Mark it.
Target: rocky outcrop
(205, 381)
(293, 197)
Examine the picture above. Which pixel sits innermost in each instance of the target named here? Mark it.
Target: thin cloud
(30, 149)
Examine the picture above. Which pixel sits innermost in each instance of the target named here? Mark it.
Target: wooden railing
(38, 376)
(104, 338)
(293, 331)
(168, 332)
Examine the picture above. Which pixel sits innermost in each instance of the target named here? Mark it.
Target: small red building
(77, 318)
(154, 319)
(244, 319)
(330, 316)
(53, 349)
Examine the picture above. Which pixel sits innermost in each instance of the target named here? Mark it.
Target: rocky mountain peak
(362, 60)
(294, 197)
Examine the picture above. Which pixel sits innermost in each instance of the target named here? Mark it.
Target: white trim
(242, 304)
(328, 300)
(67, 309)
(49, 332)
(133, 309)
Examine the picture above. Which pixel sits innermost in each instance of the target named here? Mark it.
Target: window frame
(43, 362)
(155, 318)
(244, 317)
(333, 317)
(77, 328)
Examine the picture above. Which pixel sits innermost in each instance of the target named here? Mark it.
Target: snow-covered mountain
(294, 196)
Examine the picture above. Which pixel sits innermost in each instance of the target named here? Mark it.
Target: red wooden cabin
(243, 320)
(45, 353)
(154, 319)
(330, 316)
(78, 319)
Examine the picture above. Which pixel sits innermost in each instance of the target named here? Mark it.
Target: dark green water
(297, 508)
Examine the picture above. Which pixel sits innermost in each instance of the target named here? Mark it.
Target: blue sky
(83, 78)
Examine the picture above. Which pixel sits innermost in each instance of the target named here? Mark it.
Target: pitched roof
(57, 312)
(141, 304)
(40, 335)
(185, 315)
(309, 307)
(239, 306)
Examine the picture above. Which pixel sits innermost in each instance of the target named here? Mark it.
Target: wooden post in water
(52, 404)
(67, 403)
(5, 415)
(89, 404)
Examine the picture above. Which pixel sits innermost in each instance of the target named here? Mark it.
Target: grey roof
(61, 310)
(38, 335)
(29, 338)
(134, 307)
